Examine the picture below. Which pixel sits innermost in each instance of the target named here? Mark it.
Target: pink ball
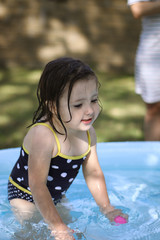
(120, 220)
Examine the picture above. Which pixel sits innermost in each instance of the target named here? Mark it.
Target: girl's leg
(25, 210)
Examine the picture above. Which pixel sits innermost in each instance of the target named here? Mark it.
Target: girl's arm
(96, 182)
(141, 9)
(94, 176)
(40, 153)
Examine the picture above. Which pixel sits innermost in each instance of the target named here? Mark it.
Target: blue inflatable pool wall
(114, 155)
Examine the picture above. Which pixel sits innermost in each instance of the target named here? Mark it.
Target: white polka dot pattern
(14, 192)
(71, 179)
(18, 166)
(58, 188)
(75, 166)
(69, 161)
(50, 178)
(62, 173)
(23, 153)
(55, 167)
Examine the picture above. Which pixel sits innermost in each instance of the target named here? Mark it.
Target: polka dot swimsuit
(63, 170)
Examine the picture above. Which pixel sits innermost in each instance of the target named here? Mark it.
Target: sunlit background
(101, 33)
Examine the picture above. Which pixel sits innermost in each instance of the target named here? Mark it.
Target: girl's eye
(78, 105)
(95, 100)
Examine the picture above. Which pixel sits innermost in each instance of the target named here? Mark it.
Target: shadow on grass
(18, 102)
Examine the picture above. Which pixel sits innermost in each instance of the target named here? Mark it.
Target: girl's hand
(62, 233)
(111, 213)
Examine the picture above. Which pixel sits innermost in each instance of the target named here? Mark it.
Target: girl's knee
(23, 209)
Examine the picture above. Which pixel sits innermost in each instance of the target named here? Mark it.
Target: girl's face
(83, 104)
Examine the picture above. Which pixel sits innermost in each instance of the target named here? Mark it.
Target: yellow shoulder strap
(57, 140)
(89, 139)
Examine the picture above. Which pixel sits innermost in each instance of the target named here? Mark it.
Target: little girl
(60, 140)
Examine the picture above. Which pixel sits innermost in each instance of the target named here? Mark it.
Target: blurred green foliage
(123, 110)
(121, 118)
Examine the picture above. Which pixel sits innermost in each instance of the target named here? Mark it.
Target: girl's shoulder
(41, 135)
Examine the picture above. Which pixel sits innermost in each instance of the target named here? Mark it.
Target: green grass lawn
(121, 118)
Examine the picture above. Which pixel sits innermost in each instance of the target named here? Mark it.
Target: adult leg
(152, 122)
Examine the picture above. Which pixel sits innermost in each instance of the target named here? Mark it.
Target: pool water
(132, 173)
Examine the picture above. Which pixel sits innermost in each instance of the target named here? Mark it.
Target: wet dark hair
(56, 75)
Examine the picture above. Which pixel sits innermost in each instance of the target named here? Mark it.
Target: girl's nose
(89, 110)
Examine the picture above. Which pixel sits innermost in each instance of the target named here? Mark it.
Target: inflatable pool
(132, 173)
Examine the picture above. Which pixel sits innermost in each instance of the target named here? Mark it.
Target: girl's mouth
(87, 121)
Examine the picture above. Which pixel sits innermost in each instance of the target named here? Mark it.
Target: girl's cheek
(98, 110)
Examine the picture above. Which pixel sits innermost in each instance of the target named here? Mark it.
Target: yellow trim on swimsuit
(82, 155)
(19, 187)
(59, 147)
